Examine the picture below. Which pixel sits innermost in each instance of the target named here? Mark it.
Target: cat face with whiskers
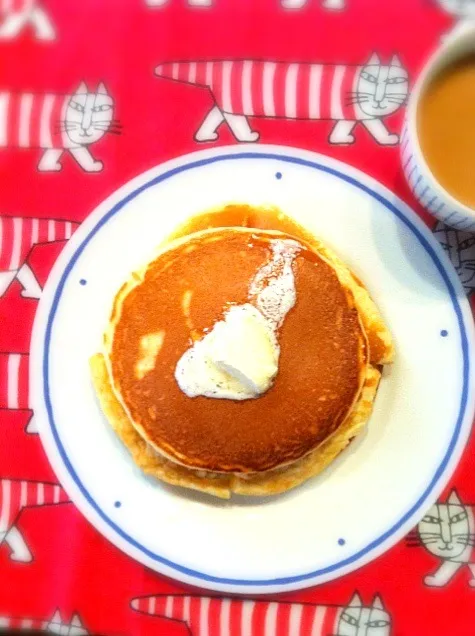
(460, 247)
(88, 115)
(360, 620)
(381, 89)
(459, 8)
(445, 530)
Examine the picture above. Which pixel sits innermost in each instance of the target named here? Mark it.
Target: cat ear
(55, 621)
(76, 620)
(378, 603)
(374, 59)
(76, 627)
(355, 601)
(82, 88)
(101, 89)
(454, 498)
(395, 61)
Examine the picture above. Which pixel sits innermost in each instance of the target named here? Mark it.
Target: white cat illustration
(15, 496)
(447, 531)
(53, 626)
(250, 618)
(191, 3)
(16, 15)
(58, 123)
(18, 236)
(331, 5)
(460, 247)
(346, 94)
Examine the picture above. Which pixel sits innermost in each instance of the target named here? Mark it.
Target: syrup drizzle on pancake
(238, 358)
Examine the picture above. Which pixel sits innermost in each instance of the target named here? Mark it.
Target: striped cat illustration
(15, 496)
(15, 385)
(18, 235)
(204, 615)
(447, 531)
(345, 94)
(460, 247)
(191, 3)
(55, 625)
(58, 123)
(16, 15)
(331, 5)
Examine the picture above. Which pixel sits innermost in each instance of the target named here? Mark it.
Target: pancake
(222, 485)
(272, 218)
(182, 293)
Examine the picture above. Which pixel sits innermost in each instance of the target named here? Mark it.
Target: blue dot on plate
(83, 282)
(341, 541)
(444, 333)
(117, 504)
(278, 175)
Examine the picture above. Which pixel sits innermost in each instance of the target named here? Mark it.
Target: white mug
(427, 190)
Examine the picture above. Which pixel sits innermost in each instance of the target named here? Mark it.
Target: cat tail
(160, 605)
(183, 608)
(197, 73)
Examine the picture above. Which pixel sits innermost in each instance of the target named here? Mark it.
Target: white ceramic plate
(375, 491)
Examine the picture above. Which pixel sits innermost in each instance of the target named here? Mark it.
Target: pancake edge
(363, 304)
(220, 485)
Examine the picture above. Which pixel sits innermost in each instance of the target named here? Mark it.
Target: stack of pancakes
(332, 344)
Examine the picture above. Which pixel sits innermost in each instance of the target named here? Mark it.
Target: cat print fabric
(17, 16)
(55, 625)
(58, 124)
(15, 385)
(206, 616)
(331, 5)
(460, 248)
(346, 94)
(18, 236)
(447, 532)
(15, 496)
(191, 3)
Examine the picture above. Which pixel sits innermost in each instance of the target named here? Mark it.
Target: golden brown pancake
(187, 288)
(221, 485)
(272, 218)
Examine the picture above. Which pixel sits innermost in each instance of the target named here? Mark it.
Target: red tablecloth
(60, 157)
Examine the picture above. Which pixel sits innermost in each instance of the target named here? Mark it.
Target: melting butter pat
(245, 348)
(237, 360)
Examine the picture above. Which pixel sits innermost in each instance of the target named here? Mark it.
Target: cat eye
(378, 623)
(103, 107)
(464, 245)
(368, 77)
(76, 106)
(430, 519)
(396, 80)
(349, 619)
(458, 517)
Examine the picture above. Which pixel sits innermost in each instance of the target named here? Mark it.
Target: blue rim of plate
(463, 399)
